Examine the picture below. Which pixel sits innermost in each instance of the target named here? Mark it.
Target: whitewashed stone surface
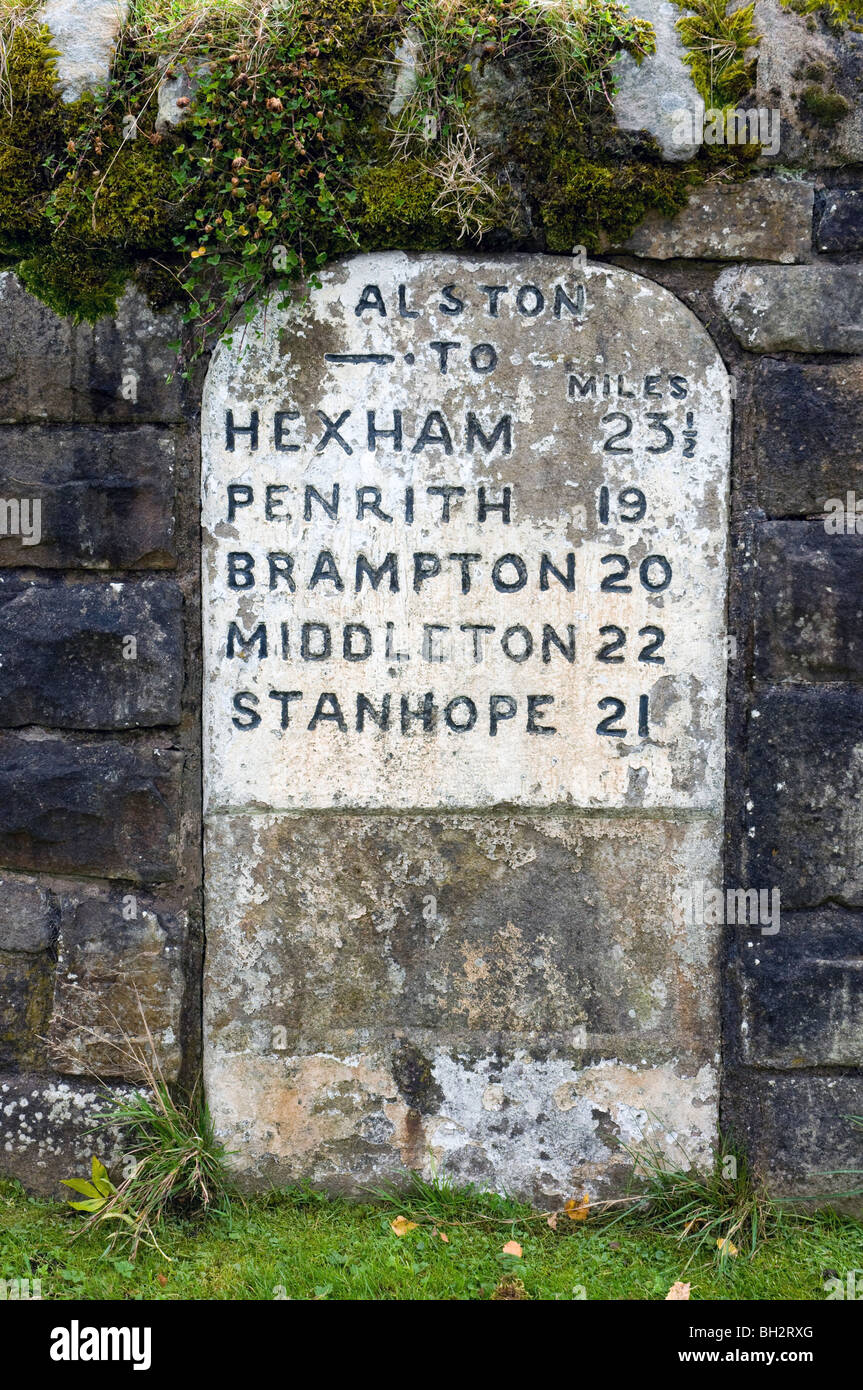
(668, 397)
(444, 945)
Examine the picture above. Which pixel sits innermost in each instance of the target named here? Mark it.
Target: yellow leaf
(727, 1246)
(401, 1225)
(577, 1211)
(512, 1247)
(678, 1290)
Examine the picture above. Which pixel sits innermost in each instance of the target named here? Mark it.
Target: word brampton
(21, 518)
(757, 126)
(77, 1343)
(706, 906)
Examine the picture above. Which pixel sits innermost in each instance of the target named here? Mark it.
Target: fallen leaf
(444, 1237)
(552, 1221)
(401, 1225)
(727, 1246)
(512, 1247)
(577, 1211)
(678, 1291)
(161, 1279)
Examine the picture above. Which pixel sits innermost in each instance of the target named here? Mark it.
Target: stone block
(106, 496)
(804, 833)
(104, 810)
(90, 655)
(493, 990)
(119, 984)
(808, 604)
(112, 372)
(29, 915)
(797, 1131)
(801, 991)
(761, 220)
(840, 227)
(804, 434)
(49, 1129)
(803, 308)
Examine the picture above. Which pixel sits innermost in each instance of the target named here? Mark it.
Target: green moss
(82, 285)
(827, 108)
(124, 200)
(65, 255)
(719, 49)
(32, 130)
(595, 205)
(397, 208)
(837, 14)
(287, 157)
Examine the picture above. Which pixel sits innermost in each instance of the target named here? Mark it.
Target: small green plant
(837, 14)
(96, 1193)
(176, 1168)
(173, 1163)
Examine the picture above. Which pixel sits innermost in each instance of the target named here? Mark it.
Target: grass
(173, 1162)
(300, 1245)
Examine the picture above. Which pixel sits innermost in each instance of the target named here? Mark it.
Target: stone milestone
(464, 585)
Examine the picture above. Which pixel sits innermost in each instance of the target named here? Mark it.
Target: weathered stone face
(464, 557)
(489, 558)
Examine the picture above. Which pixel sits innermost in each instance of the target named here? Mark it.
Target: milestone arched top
(464, 540)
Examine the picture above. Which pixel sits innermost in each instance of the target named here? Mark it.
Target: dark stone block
(796, 1130)
(26, 983)
(65, 653)
(106, 496)
(800, 991)
(804, 432)
(49, 1129)
(113, 371)
(808, 604)
(107, 809)
(120, 963)
(805, 753)
(841, 224)
(29, 915)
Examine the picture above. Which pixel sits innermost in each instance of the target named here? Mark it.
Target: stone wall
(792, 1042)
(100, 698)
(100, 842)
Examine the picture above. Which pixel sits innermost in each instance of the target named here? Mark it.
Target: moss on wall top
(313, 130)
